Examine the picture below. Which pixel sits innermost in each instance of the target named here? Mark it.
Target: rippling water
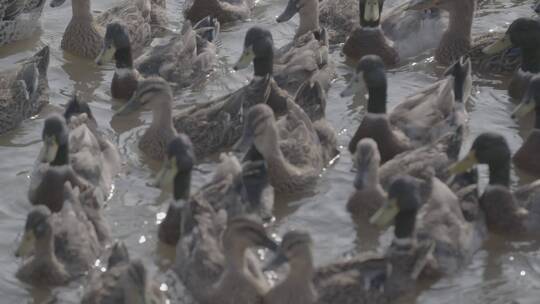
(502, 272)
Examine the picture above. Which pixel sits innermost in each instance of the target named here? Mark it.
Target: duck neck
(236, 258)
(45, 246)
(499, 173)
(309, 18)
(377, 99)
(404, 224)
(460, 22)
(301, 270)
(530, 59)
(62, 156)
(162, 113)
(123, 58)
(81, 10)
(182, 184)
(264, 65)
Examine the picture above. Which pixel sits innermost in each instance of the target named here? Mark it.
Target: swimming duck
(411, 31)
(289, 145)
(306, 57)
(235, 188)
(360, 279)
(457, 40)
(84, 157)
(522, 33)
(183, 59)
(125, 282)
(507, 212)
(218, 269)
(439, 221)
(84, 34)
(224, 10)
(63, 245)
(419, 119)
(217, 125)
(525, 157)
(369, 38)
(25, 90)
(19, 20)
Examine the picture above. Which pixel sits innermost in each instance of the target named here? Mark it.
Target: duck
(19, 20)
(82, 156)
(217, 267)
(226, 11)
(511, 213)
(523, 34)
(306, 56)
(125, 281)
(236, 188)
(216, 125)
(27, 90)
(84, 34)
(187, 56)
(362, 278)
(369, 38)
(420, 119)
(62, 245)
(457, 39)
(290, 146)
(412, 32)
(439, 220)
(524, 158)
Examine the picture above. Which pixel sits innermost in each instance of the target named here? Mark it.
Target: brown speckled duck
(25, 90)
(512, 213)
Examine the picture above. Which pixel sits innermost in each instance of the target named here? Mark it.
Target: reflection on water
(502, 272)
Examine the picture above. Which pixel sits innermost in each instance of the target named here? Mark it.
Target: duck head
(243, 232)
(55, 138)
(153, 91)
(259, 49)
(368, 160)
(37, 227)
(295, 249)
(116, 47)
(175, 174)
(530, 101)
(259, 132)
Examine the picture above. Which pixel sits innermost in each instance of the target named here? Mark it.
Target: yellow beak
(465, 164)
(386, 214)
(523, 109)
(27, 245)
(498, 46)
(165, 177)
(245, 60)
(371, 12)
(49, 150)
(106, 55)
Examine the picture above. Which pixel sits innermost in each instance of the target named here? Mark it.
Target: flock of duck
(274, 141)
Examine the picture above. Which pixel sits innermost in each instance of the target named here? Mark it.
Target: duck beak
(355, 86)
(106, 55)
(165, 177)
(278, 260)
(526, 106)
(245, 60)
(386, 214)
(465, 164)
(27, 245)
(372, 12)
(49, 150)
(57, 3)
(131, 106)
(498, 46)
(289, 12)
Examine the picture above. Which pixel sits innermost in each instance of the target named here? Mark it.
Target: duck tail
(461, 71)
(76, 106)
(42, 59)
(208, 28)
(119, 254)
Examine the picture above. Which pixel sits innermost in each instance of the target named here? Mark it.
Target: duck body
(187, 56)
(84, 34)
(24, 90)
(19, 19)
(124, 282)
(420, 119)
(225, 11)
(65, 244)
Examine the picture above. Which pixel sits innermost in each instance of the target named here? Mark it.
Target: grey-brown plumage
(224, 10)
(24, 90)
(125, 282)
(19, 19)
(64, 245)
